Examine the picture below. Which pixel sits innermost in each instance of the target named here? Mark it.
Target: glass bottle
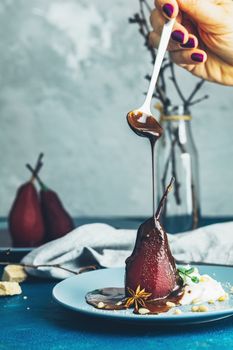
(177, 156)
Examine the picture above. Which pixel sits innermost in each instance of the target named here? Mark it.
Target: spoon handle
(165, 37)
(186, 262)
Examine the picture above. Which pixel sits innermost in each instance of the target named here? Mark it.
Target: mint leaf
(195, 279)
(182, 270)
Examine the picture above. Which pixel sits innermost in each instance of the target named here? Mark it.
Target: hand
(202, 37)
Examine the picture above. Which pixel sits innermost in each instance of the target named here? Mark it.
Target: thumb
(209, 12)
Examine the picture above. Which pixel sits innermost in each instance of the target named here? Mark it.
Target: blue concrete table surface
(34, 320)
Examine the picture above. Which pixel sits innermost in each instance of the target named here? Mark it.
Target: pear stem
(163, 199)
(38, 166)
(36, 176)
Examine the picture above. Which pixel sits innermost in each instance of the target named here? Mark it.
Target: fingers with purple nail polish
(190, 44)
(178, 36)
(188, 57)
(197, 57)
(168, 9)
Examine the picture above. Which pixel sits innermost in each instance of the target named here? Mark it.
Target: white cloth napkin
(109, 247)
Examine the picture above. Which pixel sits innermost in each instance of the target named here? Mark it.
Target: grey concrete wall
(69, 72)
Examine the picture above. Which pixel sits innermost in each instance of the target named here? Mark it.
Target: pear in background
(57, 220)
(26, 223)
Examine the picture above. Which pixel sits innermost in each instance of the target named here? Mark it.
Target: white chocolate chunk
(10, 288)
(14, 273)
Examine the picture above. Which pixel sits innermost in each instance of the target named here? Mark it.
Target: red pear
(25, 219)
(151, 264)
(57, 220)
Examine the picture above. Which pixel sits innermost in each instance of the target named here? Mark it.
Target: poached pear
(151, 264)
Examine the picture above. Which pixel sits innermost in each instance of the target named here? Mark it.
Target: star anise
(137, 297)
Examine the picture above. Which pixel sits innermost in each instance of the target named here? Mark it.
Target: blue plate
(71, 293)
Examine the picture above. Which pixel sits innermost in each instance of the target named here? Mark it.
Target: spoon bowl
(144, 124)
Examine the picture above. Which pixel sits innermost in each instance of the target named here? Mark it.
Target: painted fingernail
(190, 44)
(178, 36)
(168, 9)
(197, 57)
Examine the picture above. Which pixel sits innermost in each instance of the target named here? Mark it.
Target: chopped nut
(203, 279)
(143, 311)
(170, 304)
(196, 301)
(119, 303)
(211, 301)
(195, 309)
(203, 308)
(177, 312)
(100, 305)
(223, 297)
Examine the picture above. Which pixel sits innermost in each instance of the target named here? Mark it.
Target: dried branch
(58, 266)
(194, 92)
(174, 80)
(198, 100)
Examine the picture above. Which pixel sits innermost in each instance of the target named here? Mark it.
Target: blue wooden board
(38, 322)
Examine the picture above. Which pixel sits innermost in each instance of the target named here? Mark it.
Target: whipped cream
(206, 290)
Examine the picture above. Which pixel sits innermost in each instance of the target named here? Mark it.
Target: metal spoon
(141, 120)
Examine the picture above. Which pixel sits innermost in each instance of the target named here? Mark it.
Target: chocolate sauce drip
(145, 125)
(151, 267)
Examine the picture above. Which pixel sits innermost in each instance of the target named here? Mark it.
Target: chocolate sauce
(158, 306)
(107, 298)
(145, 125)
(114, 299)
